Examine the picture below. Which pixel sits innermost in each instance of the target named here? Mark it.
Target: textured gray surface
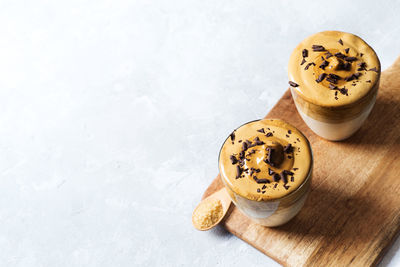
(113, 113)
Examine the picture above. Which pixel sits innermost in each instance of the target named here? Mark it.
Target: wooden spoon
(225, 201)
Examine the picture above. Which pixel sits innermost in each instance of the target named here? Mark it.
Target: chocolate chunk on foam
(321, 77)
(318, 48)
(338, 65)
(261, 161)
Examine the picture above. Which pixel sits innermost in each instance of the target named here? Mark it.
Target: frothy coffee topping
(265, 159)
(333, 68)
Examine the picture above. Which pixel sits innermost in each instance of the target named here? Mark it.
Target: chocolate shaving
(340, 41)
(288, 148)
(347, 50)
(293, 84)
(350, 59)
(264, 186)
(362, 66)
(270, 172)
(295, 169)
(318, 48)
(261, 130)
(292, 179)
(288, 172)
(368, 81)
(284, 177)
(239, 171)
(349, 78)
(258, 142)
(324, 64)
(233, 159)
(305, 53)
(343, 91)
(329, 79)
(332, 86)
(308, 65)
(286, 187)
(339, 55)
(275, 185)
(303, 61)
(258, 190)
(361, 54)
(268, 134)
(263, 181)
(353, 77)
(334, 76)
(252, 152)
(374, 69)
(321, 77)
(245, 146)
(252, 170)
(328, 55)
(276, 177)
(232, 135)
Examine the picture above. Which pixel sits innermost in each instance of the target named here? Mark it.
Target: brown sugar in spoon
(211, 210)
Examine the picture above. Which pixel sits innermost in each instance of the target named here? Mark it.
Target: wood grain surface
(352, 214)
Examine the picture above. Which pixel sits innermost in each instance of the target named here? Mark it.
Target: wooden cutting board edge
(217, 184)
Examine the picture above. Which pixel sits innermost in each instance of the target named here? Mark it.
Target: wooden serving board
(352, 214)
